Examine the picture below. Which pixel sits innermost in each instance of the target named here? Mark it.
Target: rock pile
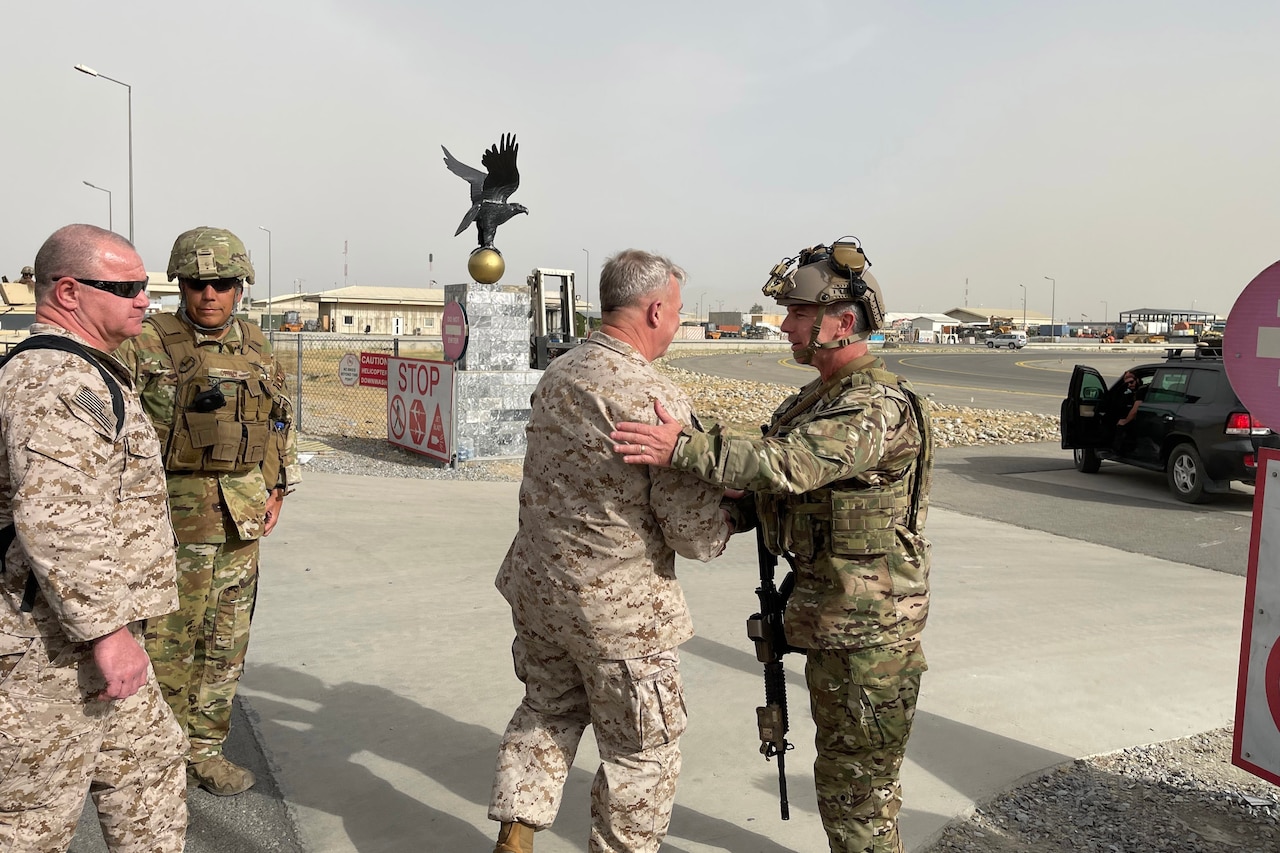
(751, 403)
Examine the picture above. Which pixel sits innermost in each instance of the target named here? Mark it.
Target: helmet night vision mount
(825, 275)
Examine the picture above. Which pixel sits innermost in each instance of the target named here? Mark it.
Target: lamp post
(84, 69)
(1053, 298)
(700, 295)
(110, 227)
(1024, 306)
(270, 325)
(586, 324)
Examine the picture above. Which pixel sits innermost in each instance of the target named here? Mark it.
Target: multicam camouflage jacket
(592, 567)
(197, 498)
(840, 481)
(88, 507)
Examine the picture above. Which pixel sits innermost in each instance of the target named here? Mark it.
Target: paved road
(1028, 380)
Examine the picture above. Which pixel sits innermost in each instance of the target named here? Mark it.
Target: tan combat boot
(514, 838)
(219, 776)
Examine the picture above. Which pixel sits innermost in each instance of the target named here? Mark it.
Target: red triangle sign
(436, 440)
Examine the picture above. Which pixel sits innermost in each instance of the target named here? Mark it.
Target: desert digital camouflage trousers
(863, 702)
(637, 709)
(198, 650)
(57, 745)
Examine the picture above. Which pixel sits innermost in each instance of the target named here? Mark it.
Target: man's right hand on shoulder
(123, 662)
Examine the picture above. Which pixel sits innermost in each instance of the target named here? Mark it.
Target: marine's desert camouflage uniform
(597, 609)
(199, 650)
(93, 525)
(859, 614)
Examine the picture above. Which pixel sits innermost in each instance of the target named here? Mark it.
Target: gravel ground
(1180, 796)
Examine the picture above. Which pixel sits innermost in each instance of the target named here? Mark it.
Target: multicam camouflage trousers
(198, 650)
(637, 709)
(58, 744)
(863, 702)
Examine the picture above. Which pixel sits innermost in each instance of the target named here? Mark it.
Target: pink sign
(1251, 346)
(453, 331)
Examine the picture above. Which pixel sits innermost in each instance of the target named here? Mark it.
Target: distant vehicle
(1190, 424)
(292, 322)
(1012, 340)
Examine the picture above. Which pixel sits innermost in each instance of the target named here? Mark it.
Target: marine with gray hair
(590, 578)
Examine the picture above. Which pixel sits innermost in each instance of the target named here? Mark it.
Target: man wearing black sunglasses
(86, 555)
(217, 398)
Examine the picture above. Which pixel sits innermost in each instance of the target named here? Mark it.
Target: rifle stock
(766, 630)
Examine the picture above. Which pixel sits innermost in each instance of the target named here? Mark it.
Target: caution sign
(373, 369)
(420, 406)
(1257, 730)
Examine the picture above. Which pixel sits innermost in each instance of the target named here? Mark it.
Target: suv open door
(1083, 423)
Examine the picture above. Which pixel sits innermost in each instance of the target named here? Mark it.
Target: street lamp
(1024, 306)
(700, 295)
(587, 311)
(108, 192)
(1053, 298)
(270, 325)
(84, 69)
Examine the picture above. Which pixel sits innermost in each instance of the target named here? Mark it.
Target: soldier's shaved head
(76, 251)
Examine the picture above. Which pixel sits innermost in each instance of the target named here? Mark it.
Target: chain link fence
(326, 407)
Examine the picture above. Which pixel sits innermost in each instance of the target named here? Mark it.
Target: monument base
(491, 411)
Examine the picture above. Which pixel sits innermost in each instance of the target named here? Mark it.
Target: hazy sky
(1128, 149)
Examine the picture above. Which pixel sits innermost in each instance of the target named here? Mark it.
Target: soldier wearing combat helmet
(839, 484)
(28, 276)
(217, 398)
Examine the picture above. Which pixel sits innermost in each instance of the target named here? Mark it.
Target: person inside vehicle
(1126, 398)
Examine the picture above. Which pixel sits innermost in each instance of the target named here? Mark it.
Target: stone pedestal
(493, 380)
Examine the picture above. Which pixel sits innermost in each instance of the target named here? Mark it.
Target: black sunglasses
(123, 289)
(222, 285)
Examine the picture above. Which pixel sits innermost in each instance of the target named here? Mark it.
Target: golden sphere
(486, 265)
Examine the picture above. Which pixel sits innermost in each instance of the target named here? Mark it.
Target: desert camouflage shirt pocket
(143, 473)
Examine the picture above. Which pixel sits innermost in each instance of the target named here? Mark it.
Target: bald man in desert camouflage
(88, 555)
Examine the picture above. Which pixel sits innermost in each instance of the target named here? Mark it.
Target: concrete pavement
(379, 676)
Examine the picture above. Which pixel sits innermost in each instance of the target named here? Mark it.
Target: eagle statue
(489, 191)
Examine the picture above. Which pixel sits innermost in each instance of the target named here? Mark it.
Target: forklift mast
(553, 327)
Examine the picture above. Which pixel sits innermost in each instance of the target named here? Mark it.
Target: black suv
(1190, 424)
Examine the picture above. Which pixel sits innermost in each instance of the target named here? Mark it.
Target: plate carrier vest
(234, 437)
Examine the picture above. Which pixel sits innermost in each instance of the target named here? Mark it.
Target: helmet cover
(204, 254)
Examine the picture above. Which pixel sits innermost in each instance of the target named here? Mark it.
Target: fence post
(297, 412)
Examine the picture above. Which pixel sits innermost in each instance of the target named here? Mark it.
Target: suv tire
(1013, 345)
(991, 345)
(1186, 474)
(1087, 461)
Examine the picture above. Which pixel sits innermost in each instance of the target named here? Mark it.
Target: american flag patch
(93, 404)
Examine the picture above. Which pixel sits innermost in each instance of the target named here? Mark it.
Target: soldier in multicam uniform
(840, 483)
(87, 554)
(218, 401)
(591, 580)
(28, 276)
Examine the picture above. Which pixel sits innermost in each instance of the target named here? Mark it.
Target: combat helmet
(205, 253)
(28, 271)
(825, 275)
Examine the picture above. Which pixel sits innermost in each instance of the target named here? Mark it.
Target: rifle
(765, 628)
